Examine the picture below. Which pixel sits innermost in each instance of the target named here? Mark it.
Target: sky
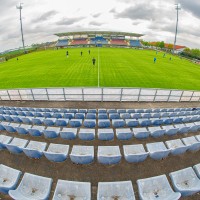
(156, 19)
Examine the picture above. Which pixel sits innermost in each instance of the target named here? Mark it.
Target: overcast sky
(154, 18)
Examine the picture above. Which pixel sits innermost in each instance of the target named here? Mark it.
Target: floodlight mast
(177, 7)
(20, 12)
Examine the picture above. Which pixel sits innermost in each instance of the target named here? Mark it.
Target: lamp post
(177, 7)
(20, 12)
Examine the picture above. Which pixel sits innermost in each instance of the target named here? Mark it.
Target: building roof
(177, 47)
(98, 32)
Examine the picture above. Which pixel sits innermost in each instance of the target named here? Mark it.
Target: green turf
(118, 68)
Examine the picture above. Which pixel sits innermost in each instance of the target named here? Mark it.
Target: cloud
(96, 15)
(69, 21)
(94, 23)
(45, 16)
(139, 11)
(191, 6)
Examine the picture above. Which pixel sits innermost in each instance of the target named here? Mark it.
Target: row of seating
(105, 154)
(100, 123)
(101, 110)
(89, 115)
(102, 134)
(186, 182)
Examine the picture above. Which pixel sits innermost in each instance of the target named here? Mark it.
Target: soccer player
(164, 55)
(93, 61)
(154, 60)
(67, 54)
(89, 52)
(81, 53)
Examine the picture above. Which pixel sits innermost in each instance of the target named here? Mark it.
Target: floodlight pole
(177, 7)
(20, 13)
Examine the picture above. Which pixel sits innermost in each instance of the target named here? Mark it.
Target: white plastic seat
(170, 130)
(82, 154)
(108, 155)
(115, 190)
(135, 153)
(67, 190)
(176, 146)
(141, 133)
(57, 152)
(192, 143)
(16, 145)
(105, 134)
(68, 133)
(9, 178)
(156, 131)
(4, 139)
(51, 132)
(35, 149)
(32, 187)
(123, 133)
(185, 181)
(156, 188)
(157, 150)
(86, 134)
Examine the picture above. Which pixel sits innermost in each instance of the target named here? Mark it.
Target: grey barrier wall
(99, 94)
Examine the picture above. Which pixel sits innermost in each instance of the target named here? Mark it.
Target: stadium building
(99, 39)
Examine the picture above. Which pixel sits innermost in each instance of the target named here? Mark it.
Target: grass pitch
(117, 68)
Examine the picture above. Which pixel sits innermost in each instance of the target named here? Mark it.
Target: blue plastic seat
(49, 121)
(36, 130)
(61, 122)
(51, 132)
(132, 122)
(16, 145)
(103, 123)
(118, 123)
(141, 133)
(124, 134)
(86, 134)
(75, 123)
(35, 149)
(105, 134)
(157, 150)
(4, 139)
(135, 153)
(156, 131)
(89, 123)
(23, 128)
(68, 133)
(176, 146)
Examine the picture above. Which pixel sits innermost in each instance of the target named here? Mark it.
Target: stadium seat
(167, 120)
(185, 181)
(157, 150)
(170, 130)
(68, 133)
(36, 130)
(144, 122)
(102, 116)
(156, 121)
(82, 111)
(80, 116)
(192, 143)
(82, 154)
(57, 115)
(38, 120)
(141, 133)
(17, 119)
(11, 127)
(114, 116)
(192, 127)
(68, 115)
(32, 187)
(51, 132)
(197, 170)
(57, 152)
(102, 110)
(27, 120)
(108, 155)
(61, 122)
(72, 190)
(124, 133)
(176, 146)
(103, 123)
(90, 116)
(89, 123)
(132, 122)
(23, 128)
(35, 149)
(160, 189)
(16, 145)
(75, 123)
(49, 121)
(134, 153)
(156, 131)
(86, 134)
(117, 123)
(4, 140)
(182, 128)
(9, 178)
(115, 190)
(105, 134)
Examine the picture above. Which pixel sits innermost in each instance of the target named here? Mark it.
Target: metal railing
(100, 94)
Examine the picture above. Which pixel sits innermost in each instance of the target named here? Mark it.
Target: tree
(162, 44)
